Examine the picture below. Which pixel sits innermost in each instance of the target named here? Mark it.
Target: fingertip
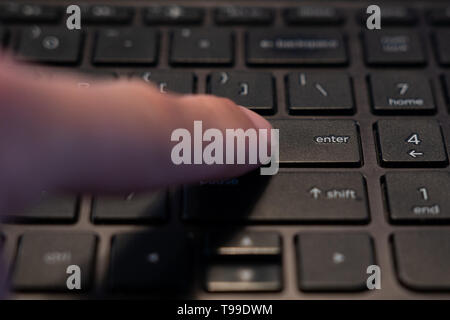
(258, 121)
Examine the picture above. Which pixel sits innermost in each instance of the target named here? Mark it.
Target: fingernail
(258, 121)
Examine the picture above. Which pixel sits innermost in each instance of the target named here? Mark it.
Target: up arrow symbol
(315, 192)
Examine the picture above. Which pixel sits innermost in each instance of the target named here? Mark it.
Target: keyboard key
(3, 267)
(254, 90)
(170, 81)
(411, 143)
(442, 46)
(287, 196)
(312, 15)
(27, 12)
(126, 46)
(97, 74)
(151, 261)
(107, 14)
(392, 15)
(50, 44)
(201, 46)
(173, 15)
(310, 93)
(134, 208)
(393, 47)
(50, 254)
(3, 34)
(87, 77)
(243, 15)
(243, 243)
(318, 143)
(422, 258)
(49, 208)
(232, 277)
(446, 82)
(39, 72)
(417, 196)
(401, 93)
(333, 261)
(287, 46)
(439, 16)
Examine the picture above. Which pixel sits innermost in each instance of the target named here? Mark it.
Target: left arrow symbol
(414, 153)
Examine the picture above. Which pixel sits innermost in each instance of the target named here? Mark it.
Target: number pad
(418, 196)
(411, 143)
(401, 93)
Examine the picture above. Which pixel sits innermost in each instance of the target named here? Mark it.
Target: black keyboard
(364, 140)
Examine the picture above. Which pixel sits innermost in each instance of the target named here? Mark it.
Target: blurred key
(411, 143)
(107, 14)
(417, 196)
(392, 15)
(138, 46)
(313, 15)
(243, 15)
(151, 261)
(393, 47)
(229, 277)
(201, 47)
(3, 33)
(254, 90)
(286, 196)
(243, 243)
(43, 258)
(333, 261)
(56, 45)
(87, 77)
(446, 83)
(439, 16)
(169, 80)
(49, 209)
(442, 46)
(401, 93)
(295, 47)
(422, 259)
(173, 15)
(310, 93)
(131, 208)
(29, 12)
(97, 74)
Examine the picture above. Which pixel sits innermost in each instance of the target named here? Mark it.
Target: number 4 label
(414, 138)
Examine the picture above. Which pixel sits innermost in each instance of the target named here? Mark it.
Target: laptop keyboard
(364, 133)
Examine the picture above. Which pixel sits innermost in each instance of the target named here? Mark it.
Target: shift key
(285, 197)
(319, 143)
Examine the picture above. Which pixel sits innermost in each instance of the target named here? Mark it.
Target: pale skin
(112, 137)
